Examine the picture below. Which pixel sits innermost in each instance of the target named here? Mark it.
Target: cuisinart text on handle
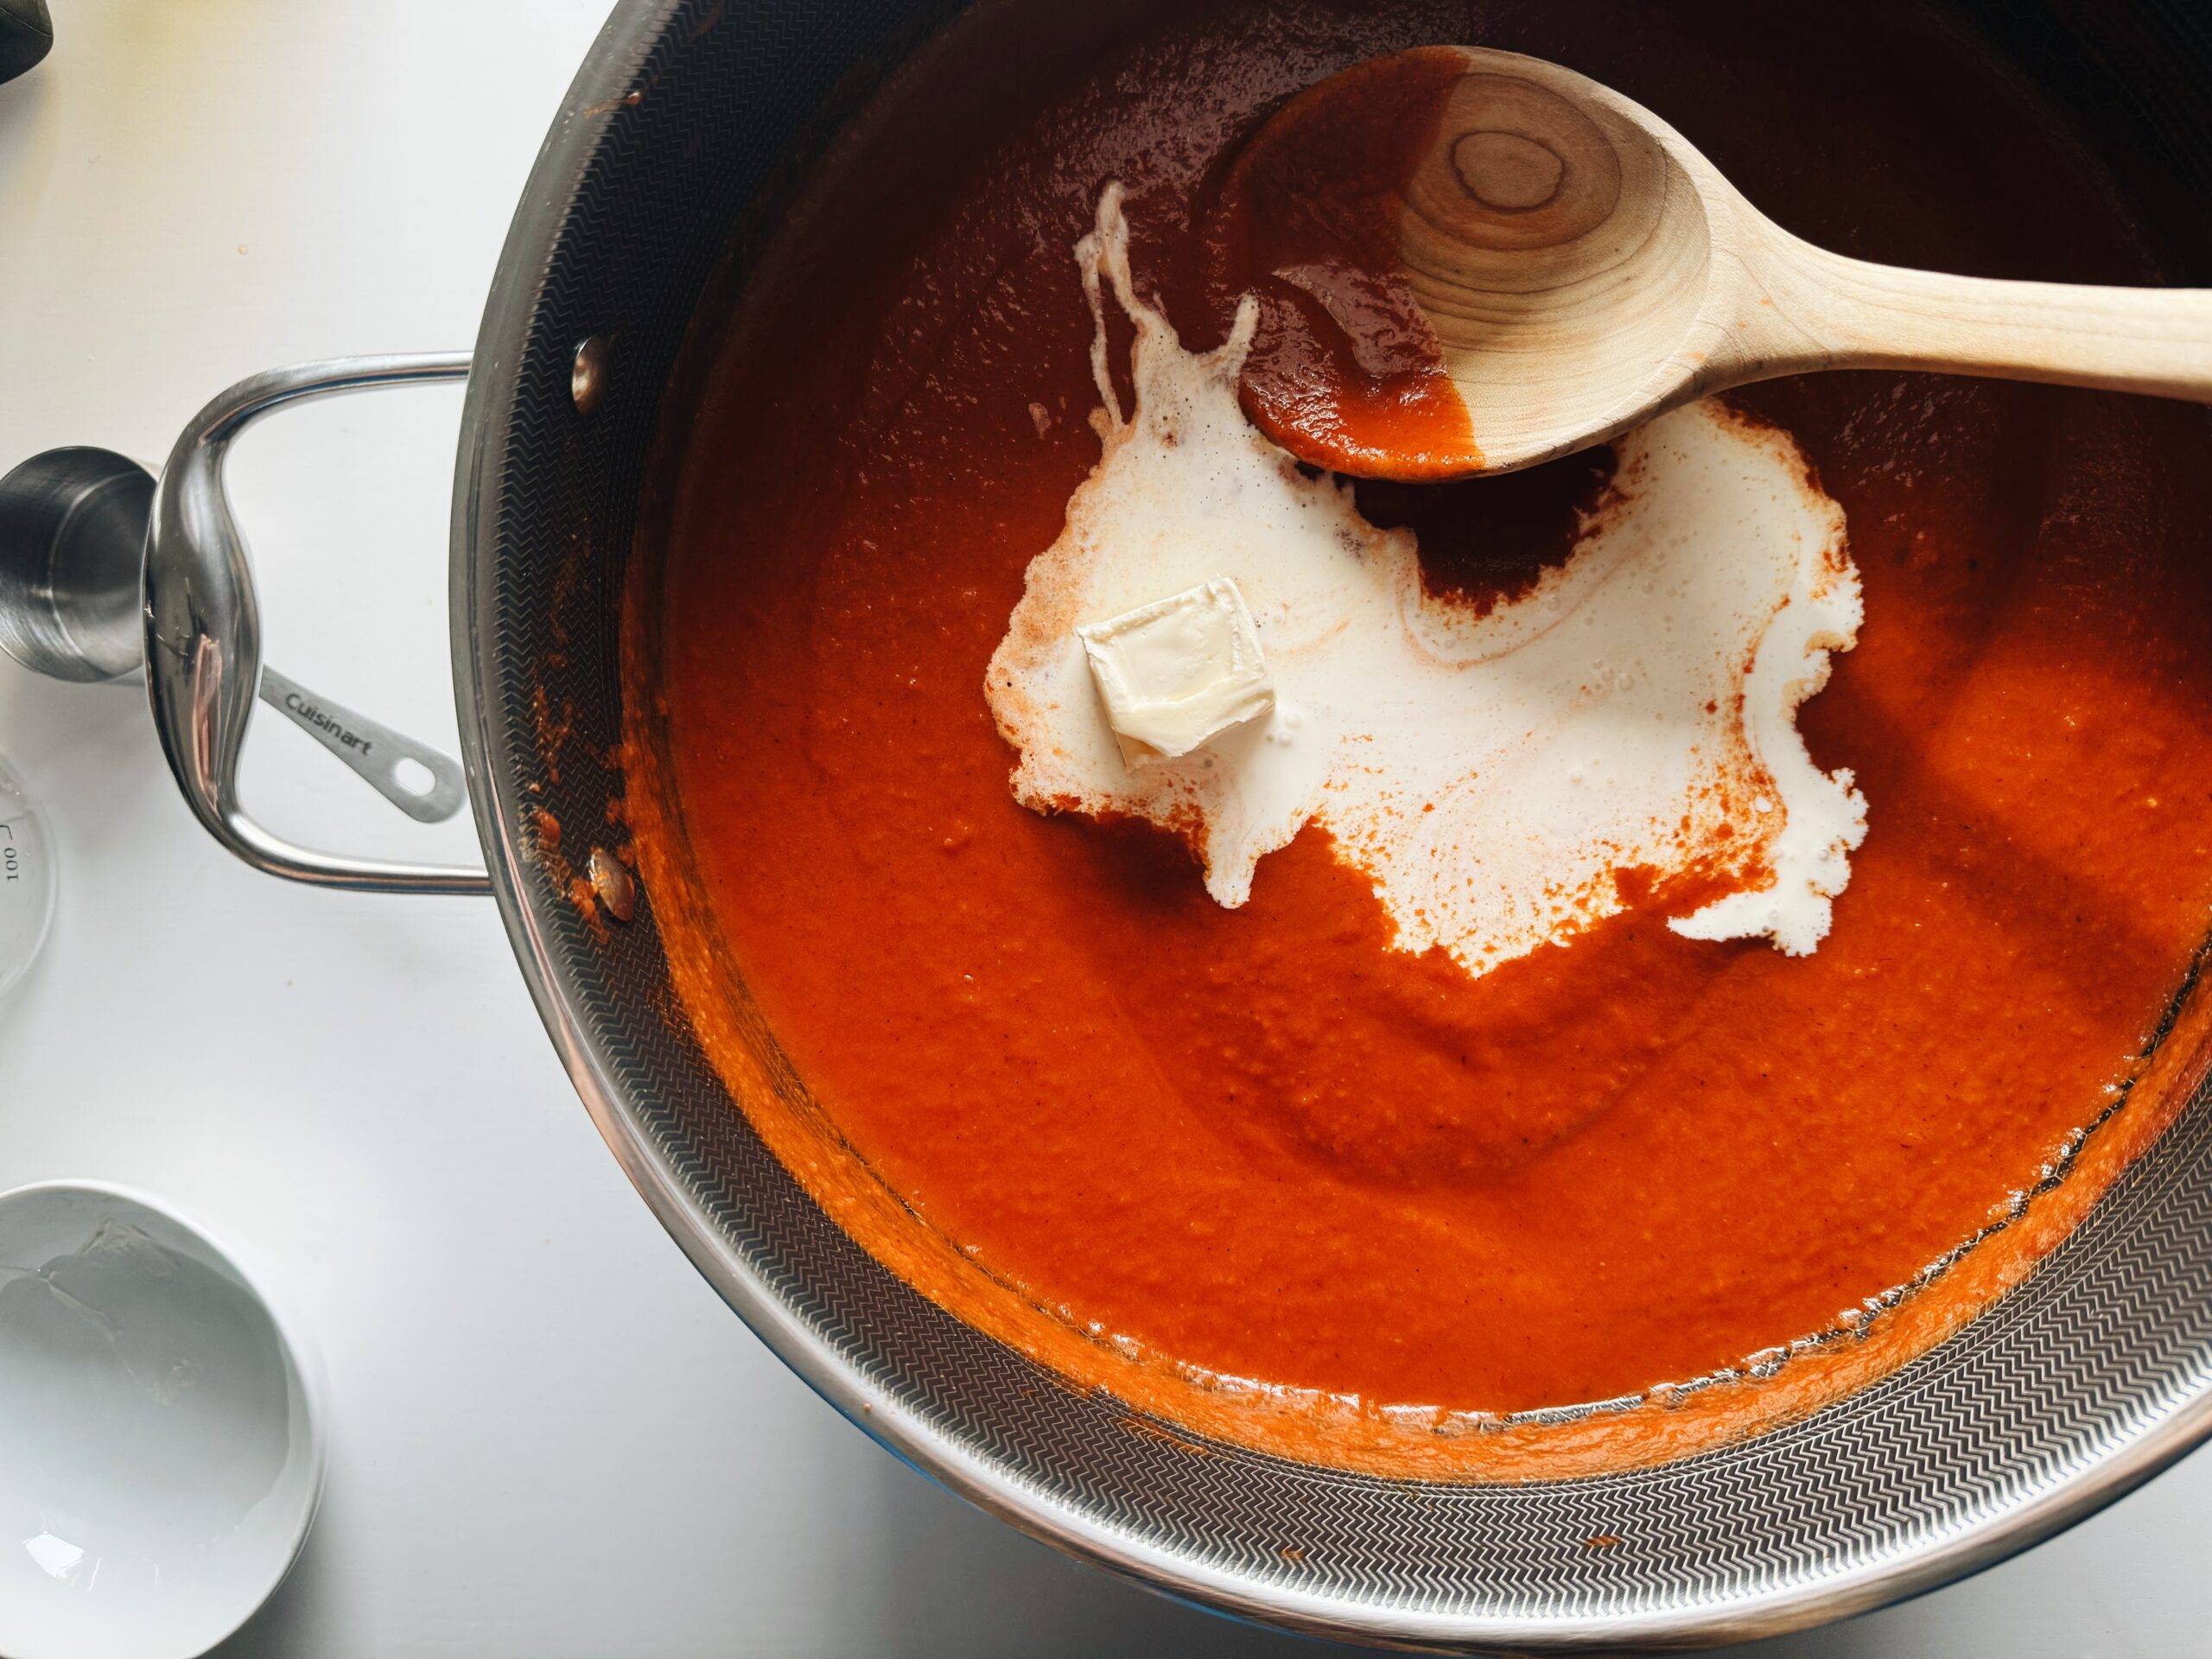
(300, 707)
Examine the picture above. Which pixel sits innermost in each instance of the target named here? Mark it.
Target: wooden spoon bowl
(1563, 252)
(1584, 267)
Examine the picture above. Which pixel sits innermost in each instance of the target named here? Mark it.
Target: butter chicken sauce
(1260, 1143)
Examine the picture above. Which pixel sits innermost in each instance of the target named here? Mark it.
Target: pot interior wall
(698, 116)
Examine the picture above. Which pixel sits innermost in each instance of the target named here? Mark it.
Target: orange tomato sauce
(1034, 1067)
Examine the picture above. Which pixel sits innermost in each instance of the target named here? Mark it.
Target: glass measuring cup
(26, 882)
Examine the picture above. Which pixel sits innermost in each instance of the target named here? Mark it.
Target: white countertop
(548, 1437)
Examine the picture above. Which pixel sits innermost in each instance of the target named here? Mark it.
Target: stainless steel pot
(2083, 1381)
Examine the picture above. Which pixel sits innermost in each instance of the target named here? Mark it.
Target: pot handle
(203, 624)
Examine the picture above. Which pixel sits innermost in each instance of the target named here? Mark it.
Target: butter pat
(1180, 671)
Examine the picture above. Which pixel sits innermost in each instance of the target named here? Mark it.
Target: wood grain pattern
(1586, 268)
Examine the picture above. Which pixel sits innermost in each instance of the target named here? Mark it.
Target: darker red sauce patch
(1487, 541)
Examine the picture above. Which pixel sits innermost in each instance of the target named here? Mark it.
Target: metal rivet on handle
(588, 375)
(617, 889)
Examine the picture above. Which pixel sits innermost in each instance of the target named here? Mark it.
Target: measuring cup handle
(203, 624)
(375, 752)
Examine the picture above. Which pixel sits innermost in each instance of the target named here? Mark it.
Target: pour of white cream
(1489, 773)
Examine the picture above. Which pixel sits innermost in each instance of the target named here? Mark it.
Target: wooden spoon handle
(1823, 311)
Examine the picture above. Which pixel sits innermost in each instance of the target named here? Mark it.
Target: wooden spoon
(1584, 268)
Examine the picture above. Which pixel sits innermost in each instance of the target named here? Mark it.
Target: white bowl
(161, 1444)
